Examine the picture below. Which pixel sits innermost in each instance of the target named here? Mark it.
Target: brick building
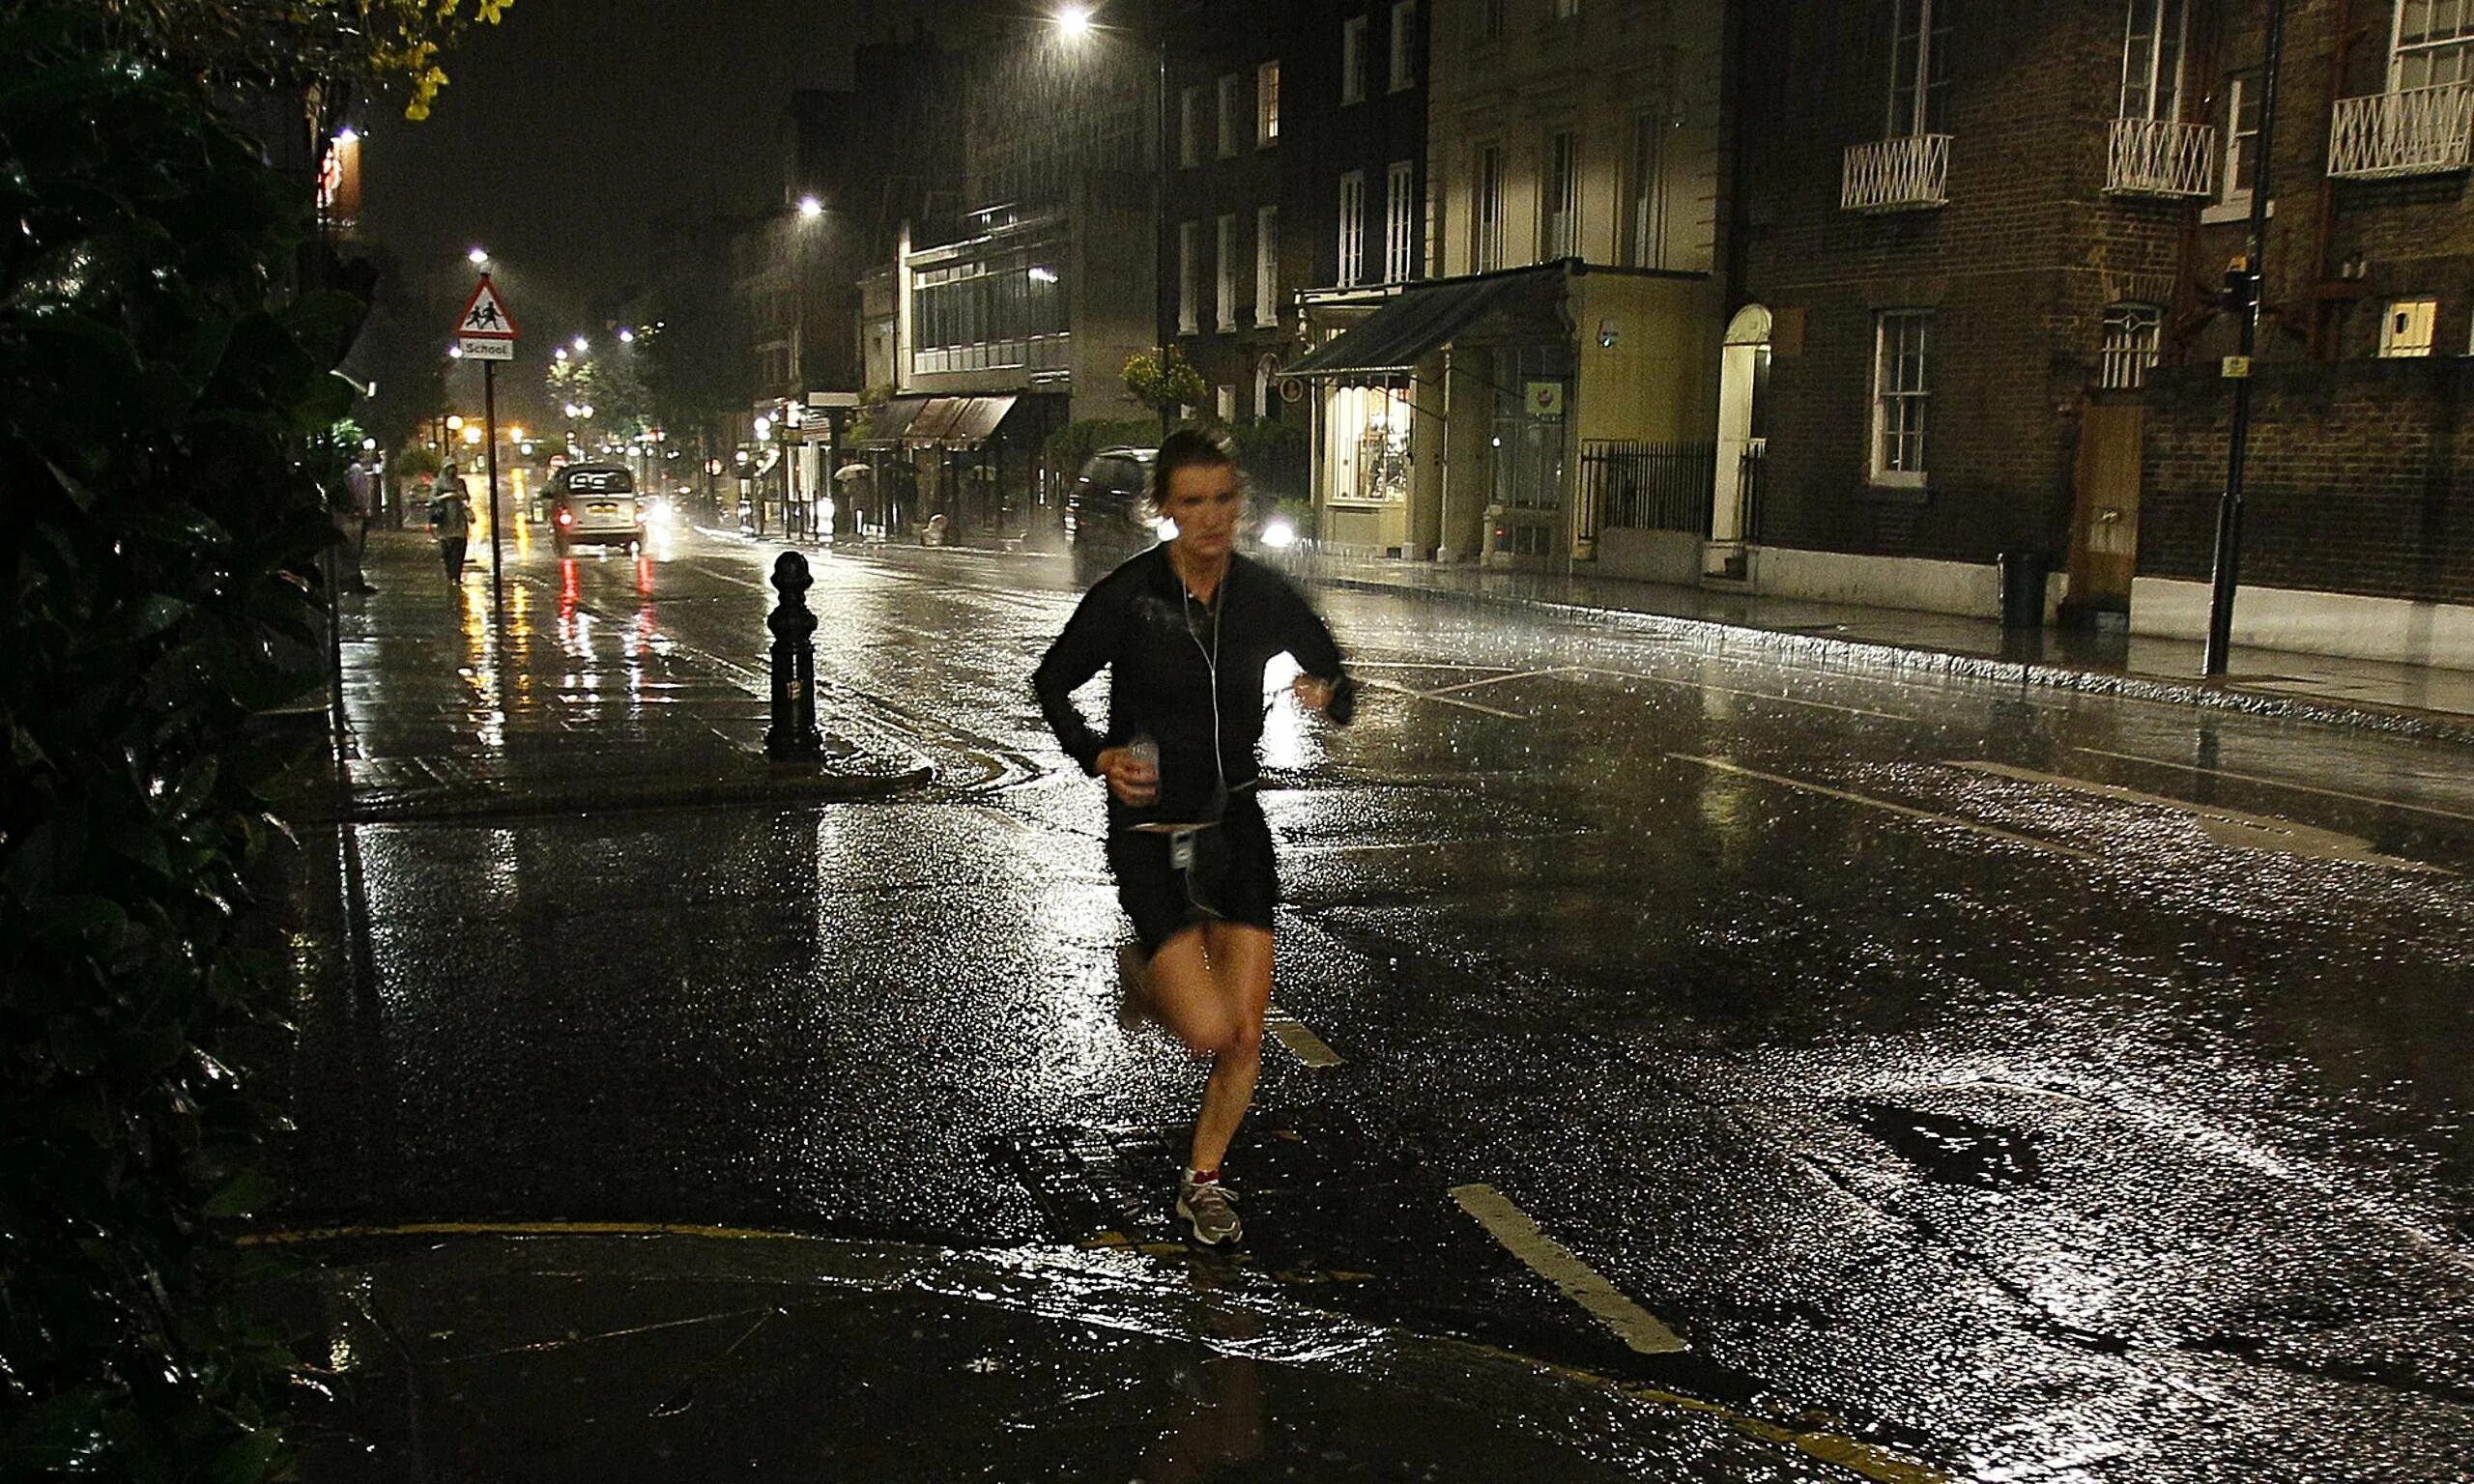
(1977, 267)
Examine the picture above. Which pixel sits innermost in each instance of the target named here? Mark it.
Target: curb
(529, 799)
(1712, 637)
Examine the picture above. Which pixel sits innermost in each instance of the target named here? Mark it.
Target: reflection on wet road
(2065, 1087)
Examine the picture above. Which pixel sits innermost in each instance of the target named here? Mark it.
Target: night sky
(565, 130)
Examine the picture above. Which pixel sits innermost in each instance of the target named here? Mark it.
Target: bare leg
(1241, 971)
(1185, 995)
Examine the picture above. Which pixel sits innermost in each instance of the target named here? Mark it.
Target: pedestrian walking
(1185, 631)
(450, 522)
(353, 521)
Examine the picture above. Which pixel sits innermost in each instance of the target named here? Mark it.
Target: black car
(1108, 513)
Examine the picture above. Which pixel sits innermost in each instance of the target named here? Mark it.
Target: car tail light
(566, 517)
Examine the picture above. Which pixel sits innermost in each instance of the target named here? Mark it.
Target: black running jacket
(1157, 643)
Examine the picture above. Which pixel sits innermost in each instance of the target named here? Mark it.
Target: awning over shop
(957, 422)
(887, 424)
(1389, 343)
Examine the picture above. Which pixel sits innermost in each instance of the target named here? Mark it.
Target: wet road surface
(2043, 1087)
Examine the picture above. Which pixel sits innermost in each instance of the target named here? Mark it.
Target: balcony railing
(2161, 157)
(1907, 174)
(2419, 131)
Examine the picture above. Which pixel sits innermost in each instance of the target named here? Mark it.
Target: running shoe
(1208, 1207)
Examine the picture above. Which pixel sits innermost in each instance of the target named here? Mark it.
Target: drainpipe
(2324, 225)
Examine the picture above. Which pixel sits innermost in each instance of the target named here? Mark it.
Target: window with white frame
(2153, 44)
(1558, 208)
(1919, 66)
(1266, 266)
(1404, 41)
(1189, 276)
(1223, 402)
(1645, 181)
(2406, 327)
(1225, 298)
(1565, 9)
(1353, 59)
(1900, 397)
(2132, 335)
(1267, 106)
(2241, 139)
(1226, 100)
(1190, 127)
(1352, 228)
(1486, 208)
(1399, 222)
(2435, 43)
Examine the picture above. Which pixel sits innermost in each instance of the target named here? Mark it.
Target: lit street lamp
(477, 258)
(1074, 23)
(810, 208)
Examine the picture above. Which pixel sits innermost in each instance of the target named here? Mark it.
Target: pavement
(489, 1349)
(2408, 700)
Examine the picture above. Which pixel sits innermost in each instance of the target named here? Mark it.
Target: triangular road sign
(486, 316)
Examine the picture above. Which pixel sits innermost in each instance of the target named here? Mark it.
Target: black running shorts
(1231, 878)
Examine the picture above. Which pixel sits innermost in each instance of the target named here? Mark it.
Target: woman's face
(1204, 500)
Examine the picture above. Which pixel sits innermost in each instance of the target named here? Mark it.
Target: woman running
(1185, 631)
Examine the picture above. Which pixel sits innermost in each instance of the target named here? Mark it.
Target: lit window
(1190, 127)
(2153, 49)
(1559, 227)
(2241, 138)
(1486, 210)
(1227, 296)
(1919, 66)
(1266, 105)
(1646, 174)
(2131, 337)
(1352, 228)
(2434, 45)
(2405, 327)
(1267, 265)
(1353, 59)
(1399, 222)
(1900, 398)
(1189, 245)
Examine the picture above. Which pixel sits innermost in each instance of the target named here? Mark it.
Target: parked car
(595, 503)
(1108, 513)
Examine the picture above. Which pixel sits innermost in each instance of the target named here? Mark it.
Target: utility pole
(2251, 280)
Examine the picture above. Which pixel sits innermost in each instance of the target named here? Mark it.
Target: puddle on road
(1955, 1151)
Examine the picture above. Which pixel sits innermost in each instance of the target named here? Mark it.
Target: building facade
(1981, 308)
(1545, 374)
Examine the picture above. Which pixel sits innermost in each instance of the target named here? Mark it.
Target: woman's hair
(1189, 447)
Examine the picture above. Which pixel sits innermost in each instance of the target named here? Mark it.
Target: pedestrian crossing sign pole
(487, 333)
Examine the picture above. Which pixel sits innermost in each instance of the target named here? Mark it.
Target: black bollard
(794, 732)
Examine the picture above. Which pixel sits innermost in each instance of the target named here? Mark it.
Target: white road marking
(1554, 1262)
(1868, 800)
(2228, 827)
(1303, 1043)
(1446, 701)
(1471, 685)
(2278, 782)
(1730, 690)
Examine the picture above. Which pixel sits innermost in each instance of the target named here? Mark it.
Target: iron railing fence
(1632, 485)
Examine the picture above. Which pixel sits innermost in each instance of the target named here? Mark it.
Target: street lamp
(477, 257)
(626, 337)
(580, 344)
(810, 208)
(1074, 23)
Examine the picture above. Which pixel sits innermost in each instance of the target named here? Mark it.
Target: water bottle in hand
(1144, 749)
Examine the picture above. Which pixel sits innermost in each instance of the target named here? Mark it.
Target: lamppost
(1076, 23)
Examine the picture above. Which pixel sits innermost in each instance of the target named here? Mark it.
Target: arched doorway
(1743, 385)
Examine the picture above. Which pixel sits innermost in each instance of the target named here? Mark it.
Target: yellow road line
(1724, 766)
(1554, 1262)
(2278, 783)
(2228, 827)
(1303, 1043)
